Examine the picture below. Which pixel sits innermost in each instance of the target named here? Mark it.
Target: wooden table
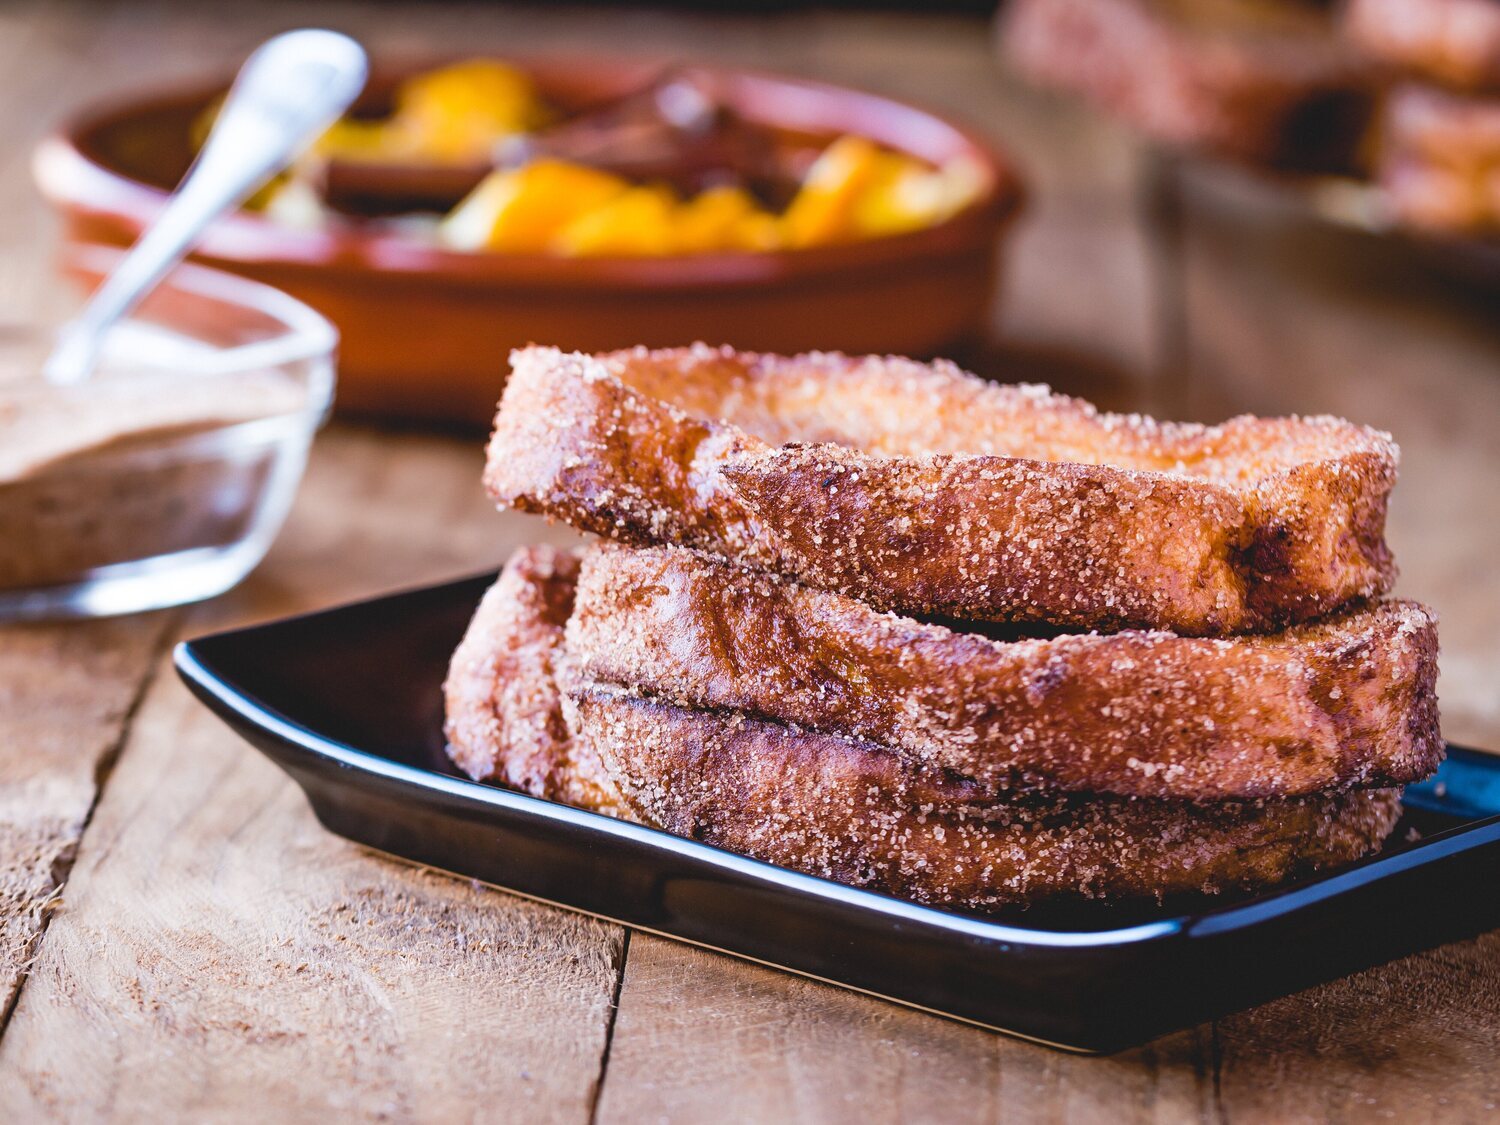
(180, 940)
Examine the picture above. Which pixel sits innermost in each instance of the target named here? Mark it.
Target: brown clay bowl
(426, 331)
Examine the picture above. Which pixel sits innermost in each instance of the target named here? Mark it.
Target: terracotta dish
(426, 330)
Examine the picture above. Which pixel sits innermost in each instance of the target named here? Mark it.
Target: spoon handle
(288, 92)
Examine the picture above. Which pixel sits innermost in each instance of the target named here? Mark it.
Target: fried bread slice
(919, 488)
(504, 712)
(520, 713)
(1350, 701)
(851, 811)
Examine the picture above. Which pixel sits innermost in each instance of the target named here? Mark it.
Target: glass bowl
(164, 478)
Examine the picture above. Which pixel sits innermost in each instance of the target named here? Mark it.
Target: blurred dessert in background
(1437, 150)
(1269, 81)
(1452, 42)
(605, 202)
(451, 115)
(1403, 96)
(853, 190)
(1438, 163)
(667, 169)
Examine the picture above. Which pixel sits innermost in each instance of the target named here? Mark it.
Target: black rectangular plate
(348, 702)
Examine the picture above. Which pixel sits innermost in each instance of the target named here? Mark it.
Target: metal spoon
(288, 92)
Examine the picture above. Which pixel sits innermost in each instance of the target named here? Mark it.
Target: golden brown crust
(843, 808)
(1349, 701)
(919, 488)
(1454, 42)
(852, 812)
(1241, 77)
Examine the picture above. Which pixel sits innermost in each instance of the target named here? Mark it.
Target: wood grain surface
(180, 940)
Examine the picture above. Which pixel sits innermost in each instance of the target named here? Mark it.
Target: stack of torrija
(969, 644)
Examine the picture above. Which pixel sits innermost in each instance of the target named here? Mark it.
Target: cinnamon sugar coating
(504, 712)
(919, 488)
(520, 712)
(853, 812)
(1346, 702)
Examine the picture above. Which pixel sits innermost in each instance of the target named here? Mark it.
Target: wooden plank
(65, 694)
(699, 1033)
(1410, 1041)
(700, 1037)
(219, 951)
(216, 949)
